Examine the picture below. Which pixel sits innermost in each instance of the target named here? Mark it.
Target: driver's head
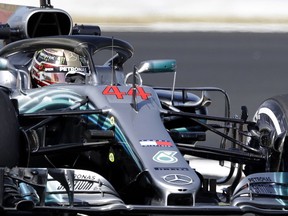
(50, 66)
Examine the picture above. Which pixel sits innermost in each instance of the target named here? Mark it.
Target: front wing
(57, 190)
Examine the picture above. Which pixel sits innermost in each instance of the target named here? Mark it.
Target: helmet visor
(43, 78)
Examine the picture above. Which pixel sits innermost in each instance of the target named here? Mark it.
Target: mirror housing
(157, 66)
(153, 66)
(8, 74)
(13, 78)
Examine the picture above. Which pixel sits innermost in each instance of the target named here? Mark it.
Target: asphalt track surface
(250, 67)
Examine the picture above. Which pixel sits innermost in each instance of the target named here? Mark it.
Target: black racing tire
(272, 120)
(9, 132)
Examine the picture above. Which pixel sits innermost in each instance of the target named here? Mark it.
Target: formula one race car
(79, 137)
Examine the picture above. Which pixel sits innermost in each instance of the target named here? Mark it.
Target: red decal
(163, 143)
(140, 92)
(159, 143)
(113, 90)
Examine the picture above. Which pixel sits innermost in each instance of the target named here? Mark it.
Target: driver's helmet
(51, 66)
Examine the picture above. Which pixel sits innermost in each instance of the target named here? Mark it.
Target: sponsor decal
(166, 157)
(178, 179)
(115, 91)
(111, 157)
(80, 186)
(72, 69)
(159, 143)
(48, 69)
(171, 169)
(43, 56)
(82, 182)
(81, 176)
(112, 120)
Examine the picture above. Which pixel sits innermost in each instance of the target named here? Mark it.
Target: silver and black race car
(82, 138)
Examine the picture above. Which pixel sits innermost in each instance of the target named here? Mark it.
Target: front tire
(9, 132)
(272, 120)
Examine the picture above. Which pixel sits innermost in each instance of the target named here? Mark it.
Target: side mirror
(153, 66)
(6, 65)
(157, 66)
(11, 77)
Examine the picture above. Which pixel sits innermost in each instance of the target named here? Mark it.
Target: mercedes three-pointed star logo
(178, 179)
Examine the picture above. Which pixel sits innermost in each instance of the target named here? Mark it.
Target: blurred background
(176, 15)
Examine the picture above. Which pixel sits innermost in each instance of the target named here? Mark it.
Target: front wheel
(9, 132)
(272, 121)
